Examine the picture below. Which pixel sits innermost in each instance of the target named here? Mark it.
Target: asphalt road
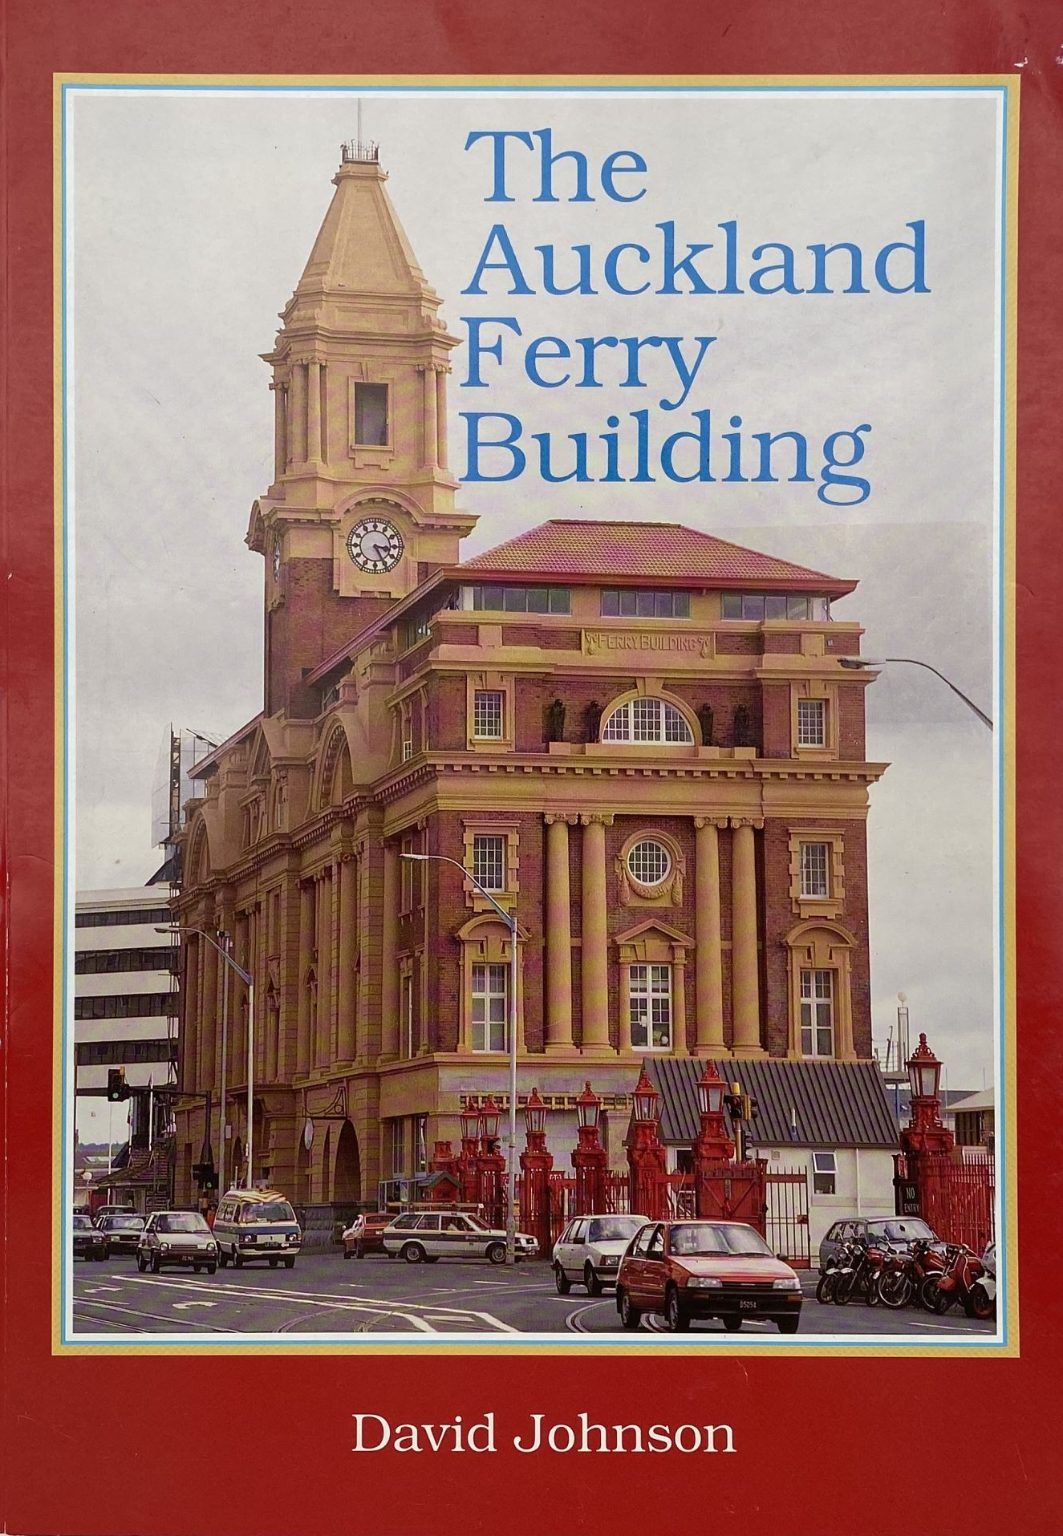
(325, 1294)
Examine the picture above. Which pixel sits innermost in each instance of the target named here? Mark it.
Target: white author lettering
(585, 1436)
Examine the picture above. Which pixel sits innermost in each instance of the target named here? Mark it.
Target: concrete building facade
(638, 737)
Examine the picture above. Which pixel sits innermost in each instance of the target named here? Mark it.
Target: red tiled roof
(646, 552)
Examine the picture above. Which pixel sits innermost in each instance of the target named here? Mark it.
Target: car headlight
(165, 1247)
(704, 1283)
(609, 1262)
(249, 1238)
(791, 1284)
(293, 1237)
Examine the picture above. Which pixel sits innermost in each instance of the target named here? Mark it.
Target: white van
(256, 1224)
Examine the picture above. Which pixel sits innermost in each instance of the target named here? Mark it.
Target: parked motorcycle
(983, 1297)
(858, 1272)
(957, 1284)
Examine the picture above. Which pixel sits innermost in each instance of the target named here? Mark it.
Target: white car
(421, 1238)
(589, 1251)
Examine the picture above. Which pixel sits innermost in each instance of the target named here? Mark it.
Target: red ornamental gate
(733, 1192)
(957, 1198)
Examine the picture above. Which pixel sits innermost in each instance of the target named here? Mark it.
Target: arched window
(645, 721)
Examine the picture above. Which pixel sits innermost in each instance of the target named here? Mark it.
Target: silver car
(424, 1238)
(177, 1237)
(589, 1251)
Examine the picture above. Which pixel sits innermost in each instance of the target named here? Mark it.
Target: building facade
(125, 988)
(637, 737)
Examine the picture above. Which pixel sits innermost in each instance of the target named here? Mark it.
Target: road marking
(156, 1317)
(101, 1290)
(181, 1306)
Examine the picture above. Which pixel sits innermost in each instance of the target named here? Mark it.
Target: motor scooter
(983, 1298)
(958, 1282)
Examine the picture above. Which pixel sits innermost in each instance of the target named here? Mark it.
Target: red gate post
(468, 1173)
(645, 1154)
(444, 1161)
(926, 1143)
(536, 1164)
(491, 1164)
(714, 1149)
(589, 1157)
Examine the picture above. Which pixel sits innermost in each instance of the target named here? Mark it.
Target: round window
(648, 863)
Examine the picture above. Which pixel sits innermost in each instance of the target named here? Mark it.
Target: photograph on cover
(535, 691)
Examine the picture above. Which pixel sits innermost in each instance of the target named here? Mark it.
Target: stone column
(313, 411)
(190, 1012)
(595, 990)
(347, 950)
(745, 973)
(558, 937)
(679, 1004)
(708, 967)
(441, 416)
(297, 419)
(280, 429)
(428, 416)
(306, 945)
(389, 971)
(324, 970)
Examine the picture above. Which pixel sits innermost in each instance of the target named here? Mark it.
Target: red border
(149, 1445)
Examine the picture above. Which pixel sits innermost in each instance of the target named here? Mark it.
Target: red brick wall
(310, 624)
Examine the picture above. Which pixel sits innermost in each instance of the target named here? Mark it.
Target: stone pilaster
(389, 972)
(708, 965)
(595, 954)
(745, 970)
(558, 936)
(347, 951)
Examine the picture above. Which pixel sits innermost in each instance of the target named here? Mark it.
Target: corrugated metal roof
(799, 1103)
(565, 547)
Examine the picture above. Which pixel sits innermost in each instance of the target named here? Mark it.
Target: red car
(686, 1269)
(365, 1234)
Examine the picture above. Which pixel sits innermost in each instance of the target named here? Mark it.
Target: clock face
(375, 545)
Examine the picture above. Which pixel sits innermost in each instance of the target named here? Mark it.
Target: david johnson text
(373, 1432)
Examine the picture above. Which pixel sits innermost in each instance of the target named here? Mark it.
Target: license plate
(747, 1305)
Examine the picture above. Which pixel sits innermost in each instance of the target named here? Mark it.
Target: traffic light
(116, 1085)
(733, 1102)
(751, 1108)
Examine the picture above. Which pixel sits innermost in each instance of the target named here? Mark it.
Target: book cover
(577, 527)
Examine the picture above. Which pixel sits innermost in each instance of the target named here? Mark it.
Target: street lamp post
(510, 920)
(248, 979)
(857, 663)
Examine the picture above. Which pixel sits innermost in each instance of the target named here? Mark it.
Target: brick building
(637, 736)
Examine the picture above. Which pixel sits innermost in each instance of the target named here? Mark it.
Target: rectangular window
(811, 722)
(489, 716)
(824, 1172)
(406, 1011)
(499, 599)
(650, 1004)
(420, 1143)
(815, 869)
(817, 1013)
(395, 1147)
(731, 605)
(653, 604)
(490, 990)
(489, 861)
(371, 415)
(407, 749)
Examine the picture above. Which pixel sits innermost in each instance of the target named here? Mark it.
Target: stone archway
(347, 1173)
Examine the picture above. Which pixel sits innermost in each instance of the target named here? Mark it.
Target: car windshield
(476, 1222)
(267, 1210)
(181, 1221)
(730, 1241)
(82, 1224)
(614, 1229)
(900, 1231)
(123, 1223)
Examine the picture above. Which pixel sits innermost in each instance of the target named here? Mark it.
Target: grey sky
(193, 216)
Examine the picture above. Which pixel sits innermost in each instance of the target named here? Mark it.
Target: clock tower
(361, 508)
